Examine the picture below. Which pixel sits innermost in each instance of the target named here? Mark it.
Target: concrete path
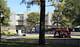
(11, 37)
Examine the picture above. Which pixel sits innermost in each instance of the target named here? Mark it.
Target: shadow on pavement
(32, 43)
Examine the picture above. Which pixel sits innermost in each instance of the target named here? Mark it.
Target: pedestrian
(17, 31)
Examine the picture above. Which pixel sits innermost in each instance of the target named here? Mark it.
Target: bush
(7, 33)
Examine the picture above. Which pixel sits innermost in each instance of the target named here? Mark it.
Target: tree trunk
(0, 25)
(42, 23)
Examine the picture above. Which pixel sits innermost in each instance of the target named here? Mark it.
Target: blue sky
(15, 6)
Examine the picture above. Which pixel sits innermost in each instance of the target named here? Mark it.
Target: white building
(17, 20)
(48, 19)
(13, 19)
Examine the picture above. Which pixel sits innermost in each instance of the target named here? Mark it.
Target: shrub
(7, 33)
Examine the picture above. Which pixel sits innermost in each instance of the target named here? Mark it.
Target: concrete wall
(75, 33)
(9, 28)
(4, 28)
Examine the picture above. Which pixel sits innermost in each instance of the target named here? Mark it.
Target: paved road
(11, 37)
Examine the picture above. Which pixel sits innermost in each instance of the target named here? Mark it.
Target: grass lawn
(22, 43)
(7, 33)
(47, 36)
(8, 43)
(75, 36)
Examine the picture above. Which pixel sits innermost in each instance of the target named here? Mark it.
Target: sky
(15, 6)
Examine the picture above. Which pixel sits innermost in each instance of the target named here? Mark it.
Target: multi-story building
(48, 19)
(18, 21)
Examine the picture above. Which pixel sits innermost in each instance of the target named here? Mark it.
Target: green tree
(58, 16)
(6, 11)
(72, 11)
(33, 18)
(41, 3)
(61, 7)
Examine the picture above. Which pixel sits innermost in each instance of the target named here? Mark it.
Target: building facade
(18, 21)
(48, 20)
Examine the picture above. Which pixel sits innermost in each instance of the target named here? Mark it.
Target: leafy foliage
(33, 18)
(72, 11)
(6, 11)
(7, 33)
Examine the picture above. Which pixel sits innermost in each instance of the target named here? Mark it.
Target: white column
(19, 32)
(49, 18)
(25, 17)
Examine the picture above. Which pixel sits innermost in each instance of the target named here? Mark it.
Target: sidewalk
(9, 37)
